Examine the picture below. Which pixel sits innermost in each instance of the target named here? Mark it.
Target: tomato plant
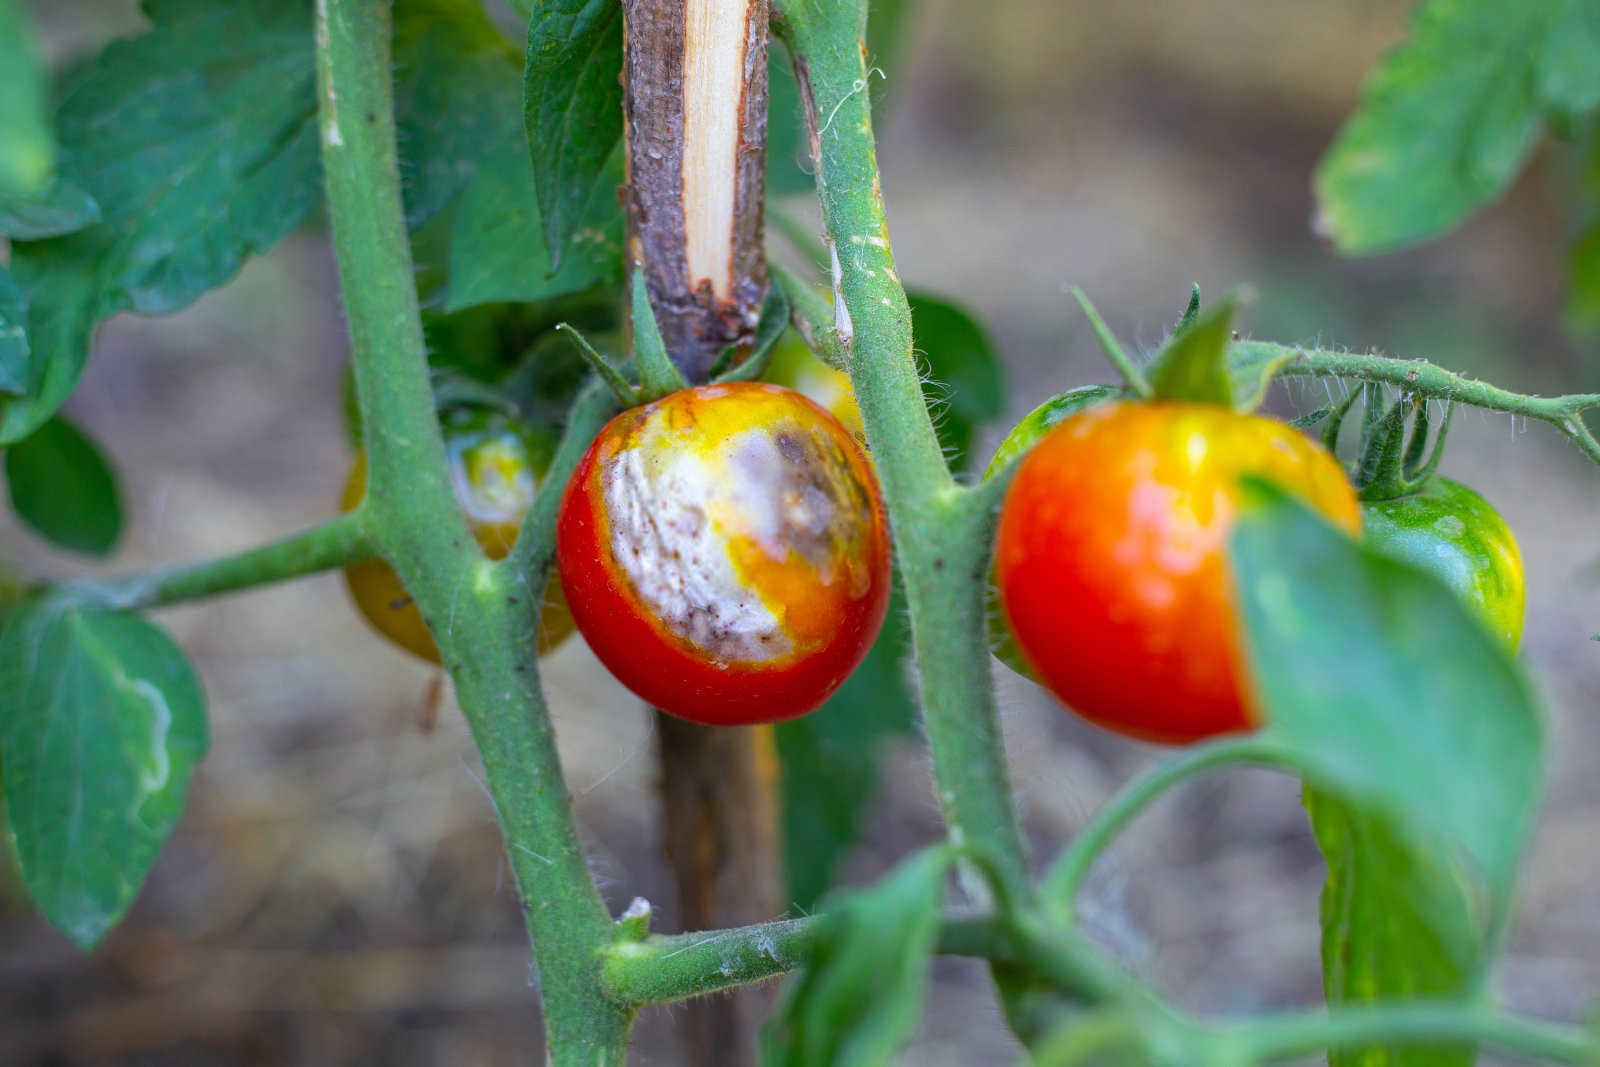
(495, 472)
(1111, 559)
(1173, 566)
(725, 552)
(1452, 532)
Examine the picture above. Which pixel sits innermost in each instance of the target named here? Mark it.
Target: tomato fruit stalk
(725, 552)
(1112, 559)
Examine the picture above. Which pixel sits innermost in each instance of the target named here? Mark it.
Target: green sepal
(1136, 379)
(1191, 312)
(620, 388)
(769, 328)
(1192, 365)
(658, 375)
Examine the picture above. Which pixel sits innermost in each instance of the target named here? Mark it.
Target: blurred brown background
(336, 895)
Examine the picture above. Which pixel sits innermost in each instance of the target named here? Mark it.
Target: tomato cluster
(725, 552)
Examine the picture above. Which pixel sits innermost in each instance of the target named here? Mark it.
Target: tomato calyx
(1390, 462)
(658, 375)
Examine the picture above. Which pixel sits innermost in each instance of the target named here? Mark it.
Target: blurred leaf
(60, 208)
(455, 98)
(62, 486)
(13, 336)
(963, 384)
(1388, 693)
(1192, 364)
(886, 32)
(101, 722)
(830, 760)
(497, 252)
(788, 150)
(859, 998)
(572, 111)
(1447, 119)
(1583, 259)
(1398, 923)
(27, 152)
(198, 142)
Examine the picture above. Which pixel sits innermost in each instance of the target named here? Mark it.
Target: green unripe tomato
(1455, 535)
(1034, 425)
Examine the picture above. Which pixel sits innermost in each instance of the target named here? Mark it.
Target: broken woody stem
(696, 124)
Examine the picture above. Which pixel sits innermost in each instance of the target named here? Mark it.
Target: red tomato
(725, 552)
(1111, 559)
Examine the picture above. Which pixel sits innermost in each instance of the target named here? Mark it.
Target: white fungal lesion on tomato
(715, 541)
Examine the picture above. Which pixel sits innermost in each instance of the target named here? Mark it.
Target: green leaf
(198, 143)
(1583, 258)
(830, 760)
(497, 251)
(27, 153)
(455, 98)
(101, 722)
(13, 336)
(1448, 118)
(1385, 691)
(60, 208)
(1398, 923)
(572, 110)
(859, 998)
(63, 487)
(1192, 365)
(963, 382)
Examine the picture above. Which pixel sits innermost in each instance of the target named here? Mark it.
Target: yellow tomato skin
(492, 473)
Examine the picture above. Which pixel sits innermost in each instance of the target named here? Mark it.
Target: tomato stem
(481, 617)
(1292, 1035)
(943, 533)
(338, 541)
(1418, 376)
(1066, 875)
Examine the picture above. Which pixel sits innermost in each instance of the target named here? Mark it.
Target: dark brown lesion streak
(699, 316)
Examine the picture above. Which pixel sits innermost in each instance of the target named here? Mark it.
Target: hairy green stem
(1565, 413)
(1062, 881)
(324, 546)
(481, 616)
(942, 533)
(662, 969)
(1269, 1038)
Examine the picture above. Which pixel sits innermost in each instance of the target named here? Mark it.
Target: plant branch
(482, 618)
(1565, 413)
(1283, 1037)
(1061, 882)
(662, 969)
(942, 533)
(322, 547)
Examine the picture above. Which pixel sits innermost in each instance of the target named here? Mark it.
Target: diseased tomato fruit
(1454, 534)
(725, 552)
(1023, 436)
(495, 473)
(1111, 559)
